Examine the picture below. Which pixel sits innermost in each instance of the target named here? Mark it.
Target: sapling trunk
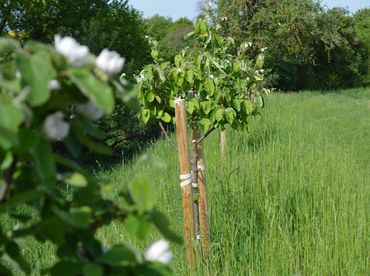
(194, 143)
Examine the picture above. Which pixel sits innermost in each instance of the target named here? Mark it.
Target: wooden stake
(186, 190)
(223, 144)
(203, 198)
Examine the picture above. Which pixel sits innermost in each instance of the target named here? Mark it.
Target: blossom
(54, 85)
(140, 78)
(159, 251)
(75, 53)
(110, 62)
(90, 110)
(55, 127)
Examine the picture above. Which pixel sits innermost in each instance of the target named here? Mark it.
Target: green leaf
(5, 271)
(28, 139)
(10, 116)
(7, 138)
(44, 158)
(92, 145)
(145, 115)
(219, 114)
(92, 270)
(162, 223)
(190, 76)
(19, 198)
(207, 106)
(260, 61)
(37, 71)
(247, 106)
(119, 255)
(205, 124)
(76, 179)
(166, 117)
(64, 268)
(150, 97)
(209, 85)
(8, 45)
(77, 217)
(97, 91)
(148, 72)
(230, 115)
(203, 27)
(142, 192)
(178, 59)
(236, 104)
(260, 102)
(237, 67)
(14, 252)
(137, 226)
(190, 107)
(154, 54)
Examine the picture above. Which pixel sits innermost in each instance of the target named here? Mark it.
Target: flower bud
(54, 85)
(55, 127)
(90, 110)
(159, 251)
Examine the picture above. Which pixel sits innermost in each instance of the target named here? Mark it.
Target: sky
(189, 8)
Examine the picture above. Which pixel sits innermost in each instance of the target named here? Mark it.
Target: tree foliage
(307, 46)
(221, 86)
(96, 23)
(169, 34)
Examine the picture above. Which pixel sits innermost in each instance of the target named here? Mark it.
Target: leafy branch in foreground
(49, 98)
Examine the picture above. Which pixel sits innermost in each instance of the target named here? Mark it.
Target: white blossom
(18, 74)
(55, 127)
(140, 78)
(110, 62)
(54, 85)
(159, 251)
(75, 53)
(90, 110)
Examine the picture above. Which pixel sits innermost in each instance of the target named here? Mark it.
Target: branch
(8, 178)
(206, 134)
(166, 135)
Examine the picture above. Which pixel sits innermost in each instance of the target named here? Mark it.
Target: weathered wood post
(223, 144)
(203, 198)
(186, 179)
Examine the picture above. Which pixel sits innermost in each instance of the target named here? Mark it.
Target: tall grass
(293, 196)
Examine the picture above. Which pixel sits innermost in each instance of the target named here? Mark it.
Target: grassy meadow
(292, 198)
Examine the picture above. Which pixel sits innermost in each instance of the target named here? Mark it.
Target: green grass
(293, 196)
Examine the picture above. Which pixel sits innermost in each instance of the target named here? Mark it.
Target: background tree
(308, 47)
(362, 25)
(169, 34)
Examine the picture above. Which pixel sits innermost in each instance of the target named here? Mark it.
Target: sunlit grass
(292, 197)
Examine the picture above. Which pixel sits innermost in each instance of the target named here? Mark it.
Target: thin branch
(8, 178)
(206, 134)
(167, 136)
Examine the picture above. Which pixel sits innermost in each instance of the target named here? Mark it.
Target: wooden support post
(223, 144)
(194, 163)
(186, 183)
(203, 198)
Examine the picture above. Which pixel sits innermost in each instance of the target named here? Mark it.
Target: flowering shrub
(52, 95)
